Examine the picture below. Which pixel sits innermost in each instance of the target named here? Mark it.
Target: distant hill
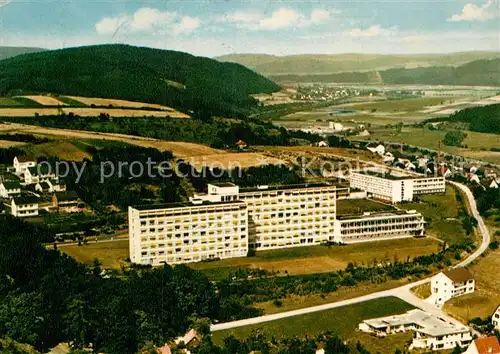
(9, 52)
(309, 64)
(477, 73)
(175, 79)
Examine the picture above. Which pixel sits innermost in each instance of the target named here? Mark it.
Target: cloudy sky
(217, 27)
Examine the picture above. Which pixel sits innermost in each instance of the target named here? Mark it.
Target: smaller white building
(376, 149)
(323, 143)
(495, 319)
(450, 284)
(22, 163)
(336, 126)
(9, 189)
(431, 332)
(24, 206)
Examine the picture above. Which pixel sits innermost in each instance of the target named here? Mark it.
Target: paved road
(402, 292)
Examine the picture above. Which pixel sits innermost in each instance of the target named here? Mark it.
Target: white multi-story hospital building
(395, 188)
(227, 222)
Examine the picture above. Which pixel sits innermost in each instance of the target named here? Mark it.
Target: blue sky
(277, 27)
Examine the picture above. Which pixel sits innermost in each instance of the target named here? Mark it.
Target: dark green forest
(176, 79)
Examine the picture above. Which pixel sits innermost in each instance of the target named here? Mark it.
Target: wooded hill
(175, 79)
(479, 72)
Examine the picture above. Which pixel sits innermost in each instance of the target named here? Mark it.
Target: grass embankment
(442, 214)
(422, 291)
(320, 259)
(343, 321)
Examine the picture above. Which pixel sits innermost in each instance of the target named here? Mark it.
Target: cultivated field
(106, 102)
(232, 160)
(342, 321)
(89, 112)
(321, 259)
(45, 100)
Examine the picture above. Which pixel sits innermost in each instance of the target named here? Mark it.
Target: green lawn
(320, 259)
(9, 102)
(343, 321)
(441, 213)
(111, 255)
(359, 206)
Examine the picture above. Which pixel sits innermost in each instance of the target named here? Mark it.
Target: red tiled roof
(488, 345)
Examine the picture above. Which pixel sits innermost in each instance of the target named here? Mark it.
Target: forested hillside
(479, 72)
(175, 79)
(481, 119)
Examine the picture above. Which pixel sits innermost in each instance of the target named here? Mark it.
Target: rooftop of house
(24, 159)
(44, 185)
(458, 275)
(66, 196)
(9, 185)
(488, 345)
(25, 199)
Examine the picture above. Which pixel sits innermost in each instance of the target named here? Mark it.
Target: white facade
(379, 186)
(495, 319)
(290, 216)
(21, 164)
(34, 175)
(24, 208)
(379, 226)
(431, 332)
(187, 232)
(379, 149)
(393, 188)
(450, 284)
(9, 189)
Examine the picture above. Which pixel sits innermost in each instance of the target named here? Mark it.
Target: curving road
(402, 292)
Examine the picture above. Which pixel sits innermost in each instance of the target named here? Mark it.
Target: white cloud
(472, 12)
(372, 31)
(187, 25)
(279, 19)
(147, 20)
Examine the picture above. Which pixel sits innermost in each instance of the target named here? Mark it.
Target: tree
(454, 138)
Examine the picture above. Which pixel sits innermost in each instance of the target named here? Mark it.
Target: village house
(444, 172)
(492, 183)
(10, 189)
(488, 345)
(24, 206)
(43, 187)
(376, 148)
(323, 143)
(65, 200)
(241, 144)
(471, 177)
(41, 173)
(191, 339)
(495, 319)
(450, 284)
(50, 186)
(22, 163)
(336, 126)
(430, 332)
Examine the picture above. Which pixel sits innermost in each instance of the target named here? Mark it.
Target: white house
(471, 177)
(376, 148)
(488, 345)
(422, 162)
(336, 126)
(495, 319)
(41, 173)
(444, 171)
(24, 206)
(364, 132)
(323, 143)
(451, 283)
(430, 332)
(10, 189)
(22, 163)
(493, 184)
